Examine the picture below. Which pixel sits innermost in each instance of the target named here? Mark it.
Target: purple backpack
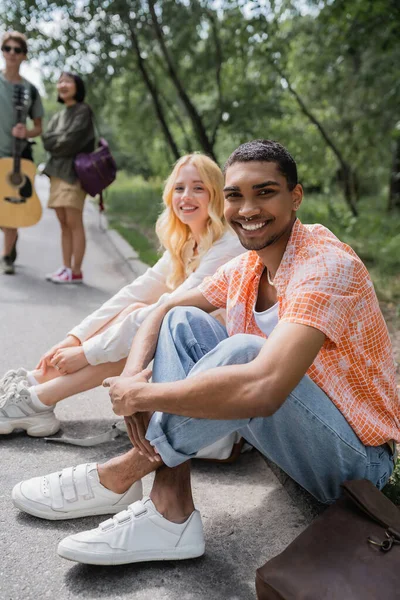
(96, 170)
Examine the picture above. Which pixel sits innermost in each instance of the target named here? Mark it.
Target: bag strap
(98, 133)
(95, 125)
(373, 503)
(34, 95)
(115, 431)
(101, 202)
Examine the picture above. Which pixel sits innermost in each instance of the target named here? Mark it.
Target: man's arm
(36, 129)
(21, 132)
(145, 341)
(256, 389)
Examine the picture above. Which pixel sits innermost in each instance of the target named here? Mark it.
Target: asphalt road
(248, 516)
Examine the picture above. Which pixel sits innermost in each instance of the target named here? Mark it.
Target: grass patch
(133, 206)
(139, 242)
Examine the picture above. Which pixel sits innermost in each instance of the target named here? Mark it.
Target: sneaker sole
(66, 282)
(49, 425)
(31, 508)
(89, 558)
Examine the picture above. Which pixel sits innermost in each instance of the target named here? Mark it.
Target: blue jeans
(307, 437)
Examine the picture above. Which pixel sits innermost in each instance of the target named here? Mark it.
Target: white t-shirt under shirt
(267, 320)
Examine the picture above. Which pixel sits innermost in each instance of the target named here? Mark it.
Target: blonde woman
(194, 234)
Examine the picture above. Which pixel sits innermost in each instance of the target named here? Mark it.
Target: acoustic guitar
(19, 203)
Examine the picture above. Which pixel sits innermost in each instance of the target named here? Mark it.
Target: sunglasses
(17, 50)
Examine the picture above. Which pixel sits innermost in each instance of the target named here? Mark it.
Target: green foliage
(374, 235)
(135, 199)
(143, 246)
(342, 57)
(235, 60)
(133, 206)
(392, 489)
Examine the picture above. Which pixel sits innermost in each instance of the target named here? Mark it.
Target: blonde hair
(174, 235)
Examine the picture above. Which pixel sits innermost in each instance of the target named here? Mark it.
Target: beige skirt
(66, 195)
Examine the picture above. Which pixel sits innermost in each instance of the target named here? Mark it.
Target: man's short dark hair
(266, 151)
(80, 87)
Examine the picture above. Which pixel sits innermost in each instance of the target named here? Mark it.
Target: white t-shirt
(267, 320)
(150, 288)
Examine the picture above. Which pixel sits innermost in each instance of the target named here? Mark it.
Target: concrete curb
(307, 504)
(124, 249)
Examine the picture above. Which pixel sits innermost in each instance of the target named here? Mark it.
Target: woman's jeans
(307, 437)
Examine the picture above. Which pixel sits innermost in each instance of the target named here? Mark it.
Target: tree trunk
(154, 94)
(198, 126)
(175, 114)
(394, 185)
(218, 71)
(347, 174)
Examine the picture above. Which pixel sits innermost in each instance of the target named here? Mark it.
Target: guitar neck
(18, 144)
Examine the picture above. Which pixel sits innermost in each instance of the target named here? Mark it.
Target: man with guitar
(14, 48)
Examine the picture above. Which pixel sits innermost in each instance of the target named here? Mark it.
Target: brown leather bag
(350, 552)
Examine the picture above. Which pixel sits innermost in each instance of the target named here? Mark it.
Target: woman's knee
(130, 309)
(62, 218)
(74, 219)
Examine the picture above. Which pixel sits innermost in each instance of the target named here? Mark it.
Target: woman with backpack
(69, 133)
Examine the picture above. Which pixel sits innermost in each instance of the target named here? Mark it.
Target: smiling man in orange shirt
(303, 370)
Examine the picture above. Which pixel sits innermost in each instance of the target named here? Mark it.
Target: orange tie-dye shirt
(321, 282)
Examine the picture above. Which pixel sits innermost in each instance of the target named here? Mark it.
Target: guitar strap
(34, 95)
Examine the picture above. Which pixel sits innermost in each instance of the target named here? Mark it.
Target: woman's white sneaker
(18, 412)
(137, 534)
(59, 271)
(13, 376)
(71, 493)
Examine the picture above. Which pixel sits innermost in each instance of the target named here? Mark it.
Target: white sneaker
(59, 271)
(67, 276)
(137, 534)
(11, 377)
(71, 493)
(17, 412)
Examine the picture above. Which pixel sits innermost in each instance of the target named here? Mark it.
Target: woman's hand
(125, 392)
(69, 360)
(45, 362)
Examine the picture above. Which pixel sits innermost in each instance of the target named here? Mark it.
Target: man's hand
(137, 427)
(69, 360)
(19, 131)
(126, 391)
(123, 391)
(45, 362)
